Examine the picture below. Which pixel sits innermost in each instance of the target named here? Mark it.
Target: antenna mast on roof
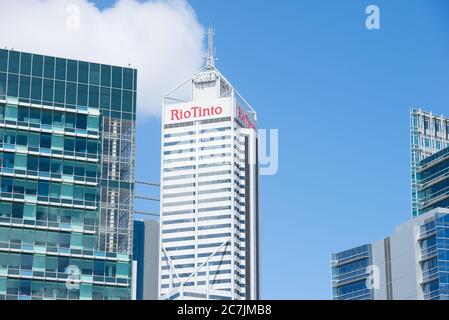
(210, 48)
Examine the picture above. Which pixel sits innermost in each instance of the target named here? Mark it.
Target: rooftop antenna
(210, 48)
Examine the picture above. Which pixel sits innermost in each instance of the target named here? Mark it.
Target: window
(57, 142)
(35, 116)
(82, 95)
(72, 70)
(94, 94)
(36, 88)
(105, 76)
(34, 140)
(14, 58)
(46, 118)
(25, 86)
(25, 63)
(23, 114)
(38, 62)
(13, 85)
(45, 140)
(69, 144)
(3, 60)
(59, 91)
(71, 93)
(48, 90)
(83, 72)
(92, 123)
(60, 69)
(81, 121)
(11, 113)
(128, 79)
(49, 67)
(94, 74)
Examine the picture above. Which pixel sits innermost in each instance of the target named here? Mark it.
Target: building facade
(146, 254)
(67, 148)
(429, 134)
(209, 193)
(412, 264)
(433, 182)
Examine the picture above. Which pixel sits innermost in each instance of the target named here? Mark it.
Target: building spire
(210, 48)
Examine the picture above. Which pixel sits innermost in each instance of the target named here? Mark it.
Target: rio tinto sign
(245, 118)
(179, 114)
(188, 111)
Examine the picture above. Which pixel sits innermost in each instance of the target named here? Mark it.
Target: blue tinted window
(94, 95)
(116, 77)
(49, 67)
(38, 62)
(128, 79)
(25, 63)
(127, 102)
(94, 74)
(14, 60)
(3, 60)
(72, 70)
(83, 72)
(24, 91)
(82, 95)
(2, 84)
(48, 90)
(105, 97)
(36, 88)
(116, 100)
(13, 85)
(105, 76)
(59, 91)
(60, 69)
(71, 93)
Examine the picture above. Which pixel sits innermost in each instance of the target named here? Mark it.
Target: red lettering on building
(195, 112)
(245, 119)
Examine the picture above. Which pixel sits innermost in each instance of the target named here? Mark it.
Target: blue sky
(340, 96)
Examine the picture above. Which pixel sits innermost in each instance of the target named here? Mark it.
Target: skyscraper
(67, 148)
(411, 264)
(429, 134)
(209, 191)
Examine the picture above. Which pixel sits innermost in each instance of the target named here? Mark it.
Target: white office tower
(209, 191)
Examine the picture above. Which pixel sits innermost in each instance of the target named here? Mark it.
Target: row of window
(51, 214)
(12, 289)
(42, 238)
(65, 94)
(54, 191)
(47, 166)
(63, 69)
(59, 264)
(59, 144)
(49, 119)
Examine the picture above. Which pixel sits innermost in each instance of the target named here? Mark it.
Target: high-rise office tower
(67, 145)
(429, 134)
(412, 264)
(209, 191)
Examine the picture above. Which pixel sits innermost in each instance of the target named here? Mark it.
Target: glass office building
(350, 274)
(429, 135)
(411, 264)
(67, 149)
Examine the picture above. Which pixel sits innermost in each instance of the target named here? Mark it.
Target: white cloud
(161, 38)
